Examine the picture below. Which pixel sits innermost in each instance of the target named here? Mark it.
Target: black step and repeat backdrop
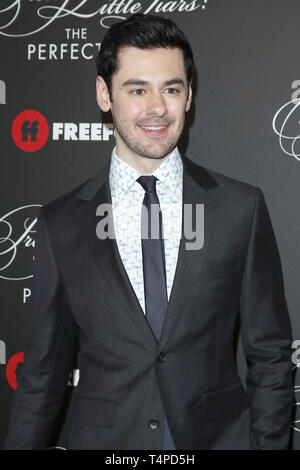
(244, 123)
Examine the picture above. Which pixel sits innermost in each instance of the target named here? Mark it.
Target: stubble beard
(143, 151)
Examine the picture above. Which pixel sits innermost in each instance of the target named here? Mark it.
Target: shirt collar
(170, 172)
(122, 177)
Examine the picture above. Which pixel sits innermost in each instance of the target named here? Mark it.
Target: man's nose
(156, 104)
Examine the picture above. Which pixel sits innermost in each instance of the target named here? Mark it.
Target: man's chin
(156, 154)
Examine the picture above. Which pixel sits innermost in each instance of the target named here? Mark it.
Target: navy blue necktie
(156, 299)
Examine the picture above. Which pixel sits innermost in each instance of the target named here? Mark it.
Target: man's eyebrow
(134, 81)
(174, 81)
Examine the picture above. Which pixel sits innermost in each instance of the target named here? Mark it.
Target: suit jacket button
(153, 424)
(162, 357)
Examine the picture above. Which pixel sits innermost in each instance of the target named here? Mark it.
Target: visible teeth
(153, 128)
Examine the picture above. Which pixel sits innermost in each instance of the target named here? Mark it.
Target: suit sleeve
(48, 354)
(266, 336)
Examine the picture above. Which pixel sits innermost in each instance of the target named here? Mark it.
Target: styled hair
(144, 32)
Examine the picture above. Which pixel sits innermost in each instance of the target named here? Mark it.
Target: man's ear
(102, 94)
(189, 100)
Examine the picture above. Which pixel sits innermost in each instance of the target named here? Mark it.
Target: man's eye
(139, 91)
(172, 91)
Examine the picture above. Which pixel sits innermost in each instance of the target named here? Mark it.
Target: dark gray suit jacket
(82, 293)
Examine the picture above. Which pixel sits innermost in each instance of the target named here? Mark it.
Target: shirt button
(162, 357)
(153, 424)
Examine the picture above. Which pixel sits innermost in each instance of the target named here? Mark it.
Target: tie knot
(148, 182)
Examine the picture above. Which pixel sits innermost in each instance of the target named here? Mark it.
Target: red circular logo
(11, 369)
(30, 130)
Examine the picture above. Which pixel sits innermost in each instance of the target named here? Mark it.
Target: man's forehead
(127, 53)
(151, 61)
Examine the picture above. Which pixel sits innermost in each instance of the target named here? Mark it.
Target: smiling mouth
(154, 130)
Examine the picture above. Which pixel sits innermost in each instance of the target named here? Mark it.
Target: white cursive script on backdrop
(286, 114)
(108, 12)
(13, 240)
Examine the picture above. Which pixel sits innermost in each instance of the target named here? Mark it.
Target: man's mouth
(154, 130)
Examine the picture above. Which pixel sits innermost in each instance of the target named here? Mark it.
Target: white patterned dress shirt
(127, 199)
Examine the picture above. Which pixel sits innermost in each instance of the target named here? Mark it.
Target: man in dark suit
(155, 318)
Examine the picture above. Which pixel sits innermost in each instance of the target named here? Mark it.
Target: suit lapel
(198, 187)
(104, 253)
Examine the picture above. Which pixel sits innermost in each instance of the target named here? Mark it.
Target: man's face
(149, 100)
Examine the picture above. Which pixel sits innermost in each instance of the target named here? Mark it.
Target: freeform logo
(13, 369)
(14, 366)
(2, 92)
(30, 130)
